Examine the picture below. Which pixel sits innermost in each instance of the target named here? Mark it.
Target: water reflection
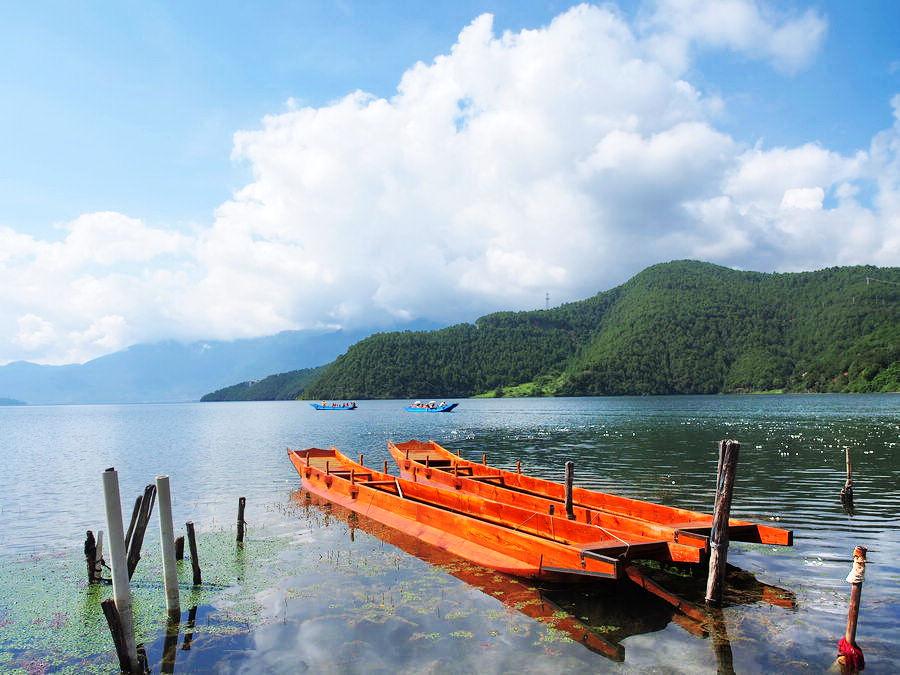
(598, 617)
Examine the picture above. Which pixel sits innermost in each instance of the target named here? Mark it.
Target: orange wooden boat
(429, 463)
(503, 537)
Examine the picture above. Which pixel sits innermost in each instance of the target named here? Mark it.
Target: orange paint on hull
(433, 464)
(500, 536)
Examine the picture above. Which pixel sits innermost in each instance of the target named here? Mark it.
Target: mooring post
(242, 502)
(518, 466)
(484, 458)
(850, 656)
(729, 452)
(361, 459)
(570, 479)
(179, 548)
(192, 543)
(167, 546)
(121, 588)
(385, 467)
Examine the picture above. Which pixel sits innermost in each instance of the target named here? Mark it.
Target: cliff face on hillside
(677, 328)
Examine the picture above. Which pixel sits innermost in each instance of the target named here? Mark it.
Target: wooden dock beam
(729, 451)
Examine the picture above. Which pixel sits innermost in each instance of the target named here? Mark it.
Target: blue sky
(131, 106)
(204, 170)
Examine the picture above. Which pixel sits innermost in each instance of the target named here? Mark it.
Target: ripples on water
(790, 473)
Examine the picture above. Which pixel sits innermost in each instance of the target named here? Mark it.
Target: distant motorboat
(431, 406)
(331, 405)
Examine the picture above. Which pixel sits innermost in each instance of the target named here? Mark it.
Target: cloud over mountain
(559, 159)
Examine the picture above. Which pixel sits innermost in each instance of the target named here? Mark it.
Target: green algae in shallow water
(49, 615)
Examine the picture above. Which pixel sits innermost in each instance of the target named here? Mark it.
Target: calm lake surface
(315, 589)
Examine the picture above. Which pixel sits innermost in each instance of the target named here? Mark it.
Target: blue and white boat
(331, 405)
(431, 407)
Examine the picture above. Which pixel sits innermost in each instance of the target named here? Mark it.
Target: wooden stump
(179, 548)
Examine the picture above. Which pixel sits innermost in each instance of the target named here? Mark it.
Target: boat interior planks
(429, 462)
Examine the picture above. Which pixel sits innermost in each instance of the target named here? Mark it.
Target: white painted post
(167, 546)
(121, 588)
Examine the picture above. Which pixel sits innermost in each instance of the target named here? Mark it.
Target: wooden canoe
(500, 536)
(517, 594)
(428, 462)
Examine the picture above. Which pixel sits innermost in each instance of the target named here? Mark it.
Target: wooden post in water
(385, 467)
(729, 452)
(484, 458)
(90, 556)
(114, 621)
(179, 548)
(570, 479)
(242, 502)
(850, 656)
(518, 466)
(847, 490)
(192, 543)
(121, 588)
(361, 458)
(167, 547)
(98, 558)
(137, 537)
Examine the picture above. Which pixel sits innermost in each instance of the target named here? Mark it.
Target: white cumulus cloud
(562, 159)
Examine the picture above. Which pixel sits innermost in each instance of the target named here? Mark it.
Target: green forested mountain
(281, 387)
(676, 328)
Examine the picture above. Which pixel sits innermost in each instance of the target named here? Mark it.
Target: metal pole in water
(121, 587)
(167, 546)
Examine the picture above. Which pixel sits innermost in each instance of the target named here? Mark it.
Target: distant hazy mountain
(171, 371)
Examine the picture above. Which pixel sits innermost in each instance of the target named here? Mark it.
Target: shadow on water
(599, 618)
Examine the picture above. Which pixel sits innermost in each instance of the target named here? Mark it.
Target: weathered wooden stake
(570, 478)
(242, 502)
(90, 556)
(361, 458)
(484, 458)
(729, 452)
(135, 512)
(847, 490)
(121, 589)
(518, 466)
(179, 548)
(385, 466)
(850, 656)
(167, 547)
(192, 543)
(137, 537)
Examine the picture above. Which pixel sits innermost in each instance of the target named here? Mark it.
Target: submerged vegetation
(683, 327)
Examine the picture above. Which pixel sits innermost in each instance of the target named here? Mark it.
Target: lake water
(321, 590)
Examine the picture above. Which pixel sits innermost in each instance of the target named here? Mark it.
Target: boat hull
(680, 525)
(464, 525)
(440, 409)
(319, 406)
